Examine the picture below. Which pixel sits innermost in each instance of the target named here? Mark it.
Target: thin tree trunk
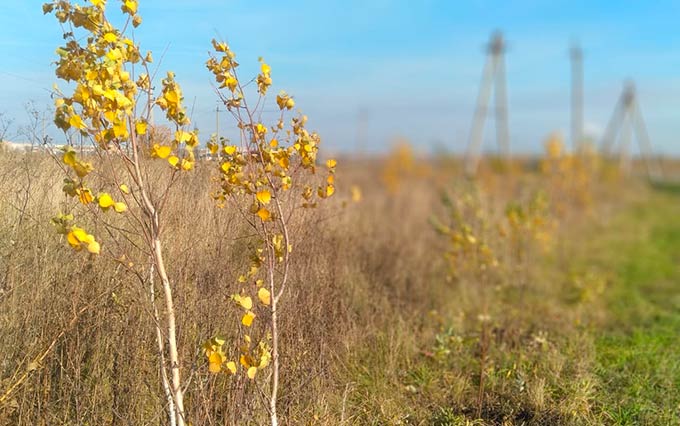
(154, 237)
(172, 335)
(161, 351)
(275, 350)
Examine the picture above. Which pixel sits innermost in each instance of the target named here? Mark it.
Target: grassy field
(636, 349)
(518, 298)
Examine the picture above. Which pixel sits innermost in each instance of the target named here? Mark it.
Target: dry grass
(370, 307)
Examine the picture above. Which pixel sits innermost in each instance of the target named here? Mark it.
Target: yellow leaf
(263, 196)
(140, 127)
(93, 247)
(331, 163)
(266, 69)
(173, 161)
(245, 301)
(231, 82)
(248, 318)
(124, 188)
(287, 183)
(264, 214)
(182, 136)
(251, 372)
(79, 234)
(330, 190)
(171, 96)
(264, 296)
(105, 201)
(231, 366)
(110, 37)
(73, 240)
(229, 149)
(76, 121)
(120, 207)
(82, 169)
(114, 54)
(245, 360)
(160, 151)
(215, 362)
(120, 129)
(84, 195)
(187, 164)
(131, 5)
(212, 148)
(69, 158)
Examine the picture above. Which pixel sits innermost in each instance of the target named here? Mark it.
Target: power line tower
(625, 120)
(576, 56)
(493, 76)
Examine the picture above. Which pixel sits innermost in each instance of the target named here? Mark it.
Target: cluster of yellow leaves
(217, 359)
(76, 237)
(266, 167)
(252, 359)
(264, 79)
(472, 232)
(104, 96)
(570, 175)
(171, 99)
(224, 70)
(245, 301)
(531, 222)
(106, 202)
(189, 140)
(70, 158)
(467, 249)
(79, 238)
(103, 101)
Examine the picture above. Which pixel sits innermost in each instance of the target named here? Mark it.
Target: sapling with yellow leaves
(472, 260)
(268, 176)
(109, 103)
(569, 175)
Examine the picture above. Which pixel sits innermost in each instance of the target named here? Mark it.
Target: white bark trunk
(172, 335)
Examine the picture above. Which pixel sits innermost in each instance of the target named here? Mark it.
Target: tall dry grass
(370, 302)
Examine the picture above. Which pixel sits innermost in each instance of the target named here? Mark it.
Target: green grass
(638, 352)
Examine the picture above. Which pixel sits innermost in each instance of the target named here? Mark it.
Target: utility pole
(493, 76)
(626, 119)
(576, 55)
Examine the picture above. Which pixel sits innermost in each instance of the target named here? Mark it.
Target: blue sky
(413, 66)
